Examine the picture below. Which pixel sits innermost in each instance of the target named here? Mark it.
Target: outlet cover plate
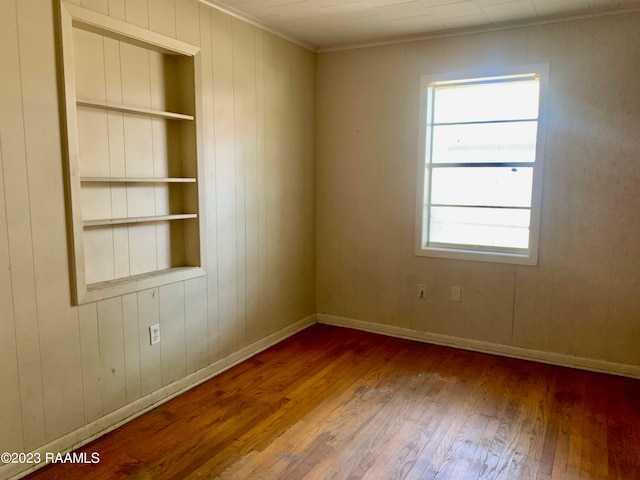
(456, 294)
(154, 334)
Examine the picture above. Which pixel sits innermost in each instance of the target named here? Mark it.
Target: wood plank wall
(62, 367)
(582, 299)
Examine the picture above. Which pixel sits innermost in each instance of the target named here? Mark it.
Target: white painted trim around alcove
(552, 358)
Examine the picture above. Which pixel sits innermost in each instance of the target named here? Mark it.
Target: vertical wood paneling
(370, 123)
(101, 6)
(150, 363)
(223, 98)
(172, 332)
(117, 165)
(260, 328)
(196, 326)
(94, 153)
(65, 366)
(244, 122)
(162, 20)
(246, 77)
(390, 200)
(91, 370)
(330, 130)
(17, 205)
(286, 168)
(407, 147)
(256, 237)
(136, 12)
(188, 18)
(305, 73)
(275, 121)
(211, 234)
(565, 304)
(162, 17)
(349, 222)
(621, 342)
(11, 435)
(112, 359)
(117, 9)
(131, 346)
(295, 178)
(142, 146)
(138, 141)
(58, 323)
(285, 165)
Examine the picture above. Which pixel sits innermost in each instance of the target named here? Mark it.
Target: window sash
(461, 158)
(491, 228)
(479, 248)
(523, 104)
(430, 165)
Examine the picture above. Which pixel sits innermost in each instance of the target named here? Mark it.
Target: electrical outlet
(154, 333)
(422, 291)
(456, 294)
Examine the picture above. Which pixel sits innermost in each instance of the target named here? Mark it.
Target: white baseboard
(552, 358)
(115, 419)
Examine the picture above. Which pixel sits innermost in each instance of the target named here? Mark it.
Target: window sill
(477, 256)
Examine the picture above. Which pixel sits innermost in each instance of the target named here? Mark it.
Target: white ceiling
(326, 24)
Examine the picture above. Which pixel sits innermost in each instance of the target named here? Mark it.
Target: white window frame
(464, 252)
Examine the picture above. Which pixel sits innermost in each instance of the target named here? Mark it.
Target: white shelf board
(129, 220)
(137, 180)
(129, 109)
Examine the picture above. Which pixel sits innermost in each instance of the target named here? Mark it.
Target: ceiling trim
(550, 19)
(257, 23)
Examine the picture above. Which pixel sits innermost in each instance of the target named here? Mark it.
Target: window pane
(486, 101)
(489, 227)
(492, 142)
(485, 186)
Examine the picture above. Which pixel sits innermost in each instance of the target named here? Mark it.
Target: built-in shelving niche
(131, 109)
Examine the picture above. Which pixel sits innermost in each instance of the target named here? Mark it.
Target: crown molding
(257, 23)
(546, 20)
(495, 27)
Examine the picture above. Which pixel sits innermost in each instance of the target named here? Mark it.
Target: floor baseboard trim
(558, 359)
(117, 418)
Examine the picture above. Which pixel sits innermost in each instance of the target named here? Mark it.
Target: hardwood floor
(337, 403)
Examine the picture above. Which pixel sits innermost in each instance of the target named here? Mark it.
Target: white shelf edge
(137, 278)
(137, 180)
(129, 109)
(130, 220)
(135, 283)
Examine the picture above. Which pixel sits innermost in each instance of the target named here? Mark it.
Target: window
(480, 165)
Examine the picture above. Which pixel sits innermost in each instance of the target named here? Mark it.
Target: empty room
(320, 239)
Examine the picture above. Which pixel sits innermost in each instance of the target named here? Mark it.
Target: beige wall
(583, 299)
(63, 367)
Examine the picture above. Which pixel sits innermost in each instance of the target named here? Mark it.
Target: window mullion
(483, 165)
(484, 122)
(453, 205)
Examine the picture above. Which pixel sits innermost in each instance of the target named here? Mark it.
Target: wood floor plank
(334, 403)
